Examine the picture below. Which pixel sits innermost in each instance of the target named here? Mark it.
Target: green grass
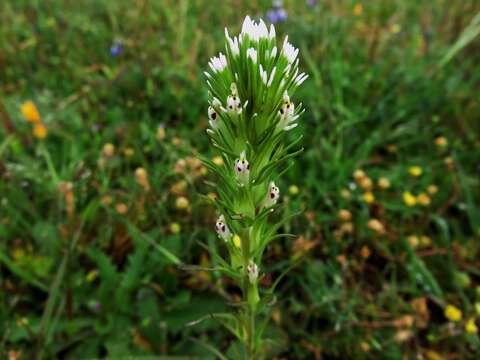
(93, 282)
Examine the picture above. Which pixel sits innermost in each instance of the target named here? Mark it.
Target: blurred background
(102, 107)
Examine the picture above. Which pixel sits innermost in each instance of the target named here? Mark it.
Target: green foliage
(93, 257)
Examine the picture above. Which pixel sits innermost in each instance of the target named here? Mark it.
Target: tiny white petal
(271, 34)
(272, 75)
(252, 54)
(274, 52)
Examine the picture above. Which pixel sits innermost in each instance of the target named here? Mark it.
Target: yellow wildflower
(358, 174)
(433, 355)
(423, 199)
(218, 160)
(415, 171)
(40, 131)
(179, 187)
(383, 183)
(413, 240)
(471, 327)
(91, 276)
(357, 9)
(141, 177)
(175, 228)
(106, 200)
(346, 228)
(176, 141)
(30, 112)
(441, 141)
(293, 190)
(121, 208)
(365, 346)
(395, 28)
(344, 215)
(409, 199)
(365, 183)
(365, 252)
(161, 133)
(368, 197)
(453, 313)
(237, 241)
(128, 152)
(432, 189)
(449, 162)
(376, 225)
(182, 203)
(108, 150)
(345, 194)
(425, 241)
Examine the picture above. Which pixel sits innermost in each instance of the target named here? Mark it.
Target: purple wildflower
(276, 15)
(116, 49)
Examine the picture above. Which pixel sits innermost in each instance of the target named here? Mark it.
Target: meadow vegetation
(103, 108)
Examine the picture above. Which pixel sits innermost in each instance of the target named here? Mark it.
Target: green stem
(48, 159)
(249, 323)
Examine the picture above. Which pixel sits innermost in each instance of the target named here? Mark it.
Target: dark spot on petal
(214, 115)
(281, 111)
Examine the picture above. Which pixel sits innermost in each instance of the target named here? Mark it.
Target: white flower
(218, 63)
(271, 34)
(222, 229)
(272, 75)
(263, 75)
(216, 103)
(287, 117)
(253, 30)
(289, 51)
(252, 270)
(300, 79)
(274, 52)
(242, 169)
(234, 104)
(272, 196)
(212, 117)
(252, 54)
(234, 48)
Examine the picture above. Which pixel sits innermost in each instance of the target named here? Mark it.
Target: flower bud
(222, 229)
(142, 178)
(39, 131)
(108, 150)
(273, 195)
(234, 104)
(30, 112)
(252, 270)
(182, 203)
(242, 169)
(161, 134)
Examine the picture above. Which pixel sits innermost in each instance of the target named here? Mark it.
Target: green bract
(250, 111)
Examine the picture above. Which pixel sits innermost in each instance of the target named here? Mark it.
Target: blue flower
(116, 49)
(277, 15)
